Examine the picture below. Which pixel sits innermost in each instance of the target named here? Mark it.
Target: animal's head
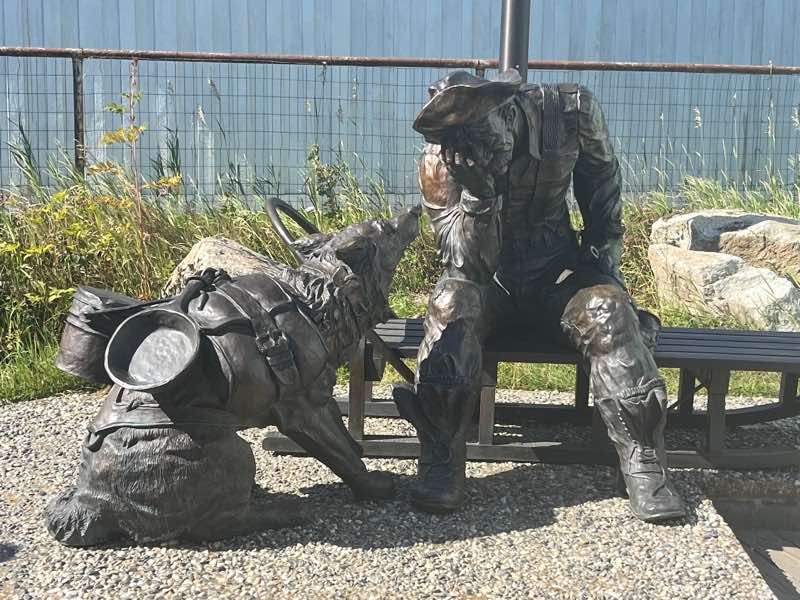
(364, 256)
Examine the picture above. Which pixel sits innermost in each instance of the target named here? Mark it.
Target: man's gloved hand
(469, 174)
(605, 258)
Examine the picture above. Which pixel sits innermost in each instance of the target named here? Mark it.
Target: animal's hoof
(372, 485)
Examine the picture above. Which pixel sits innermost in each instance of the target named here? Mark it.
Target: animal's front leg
(312, 419)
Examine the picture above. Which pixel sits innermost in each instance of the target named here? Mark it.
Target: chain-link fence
(247, 125)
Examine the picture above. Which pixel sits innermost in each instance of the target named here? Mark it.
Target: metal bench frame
(705, 358)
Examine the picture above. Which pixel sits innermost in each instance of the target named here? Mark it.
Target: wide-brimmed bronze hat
(461, 98)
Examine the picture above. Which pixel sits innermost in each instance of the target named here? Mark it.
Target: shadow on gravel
(7, 552)
(525, 497)
(522, 498)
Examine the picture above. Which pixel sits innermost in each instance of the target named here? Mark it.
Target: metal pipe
(514, 36)
(241, 57)
(390, 61)
(79, 140)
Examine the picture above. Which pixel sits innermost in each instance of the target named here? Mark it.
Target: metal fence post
(77, 114)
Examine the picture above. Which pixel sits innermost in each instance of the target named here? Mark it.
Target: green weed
(88, 230)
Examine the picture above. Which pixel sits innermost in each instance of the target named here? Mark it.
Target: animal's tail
(74, 523)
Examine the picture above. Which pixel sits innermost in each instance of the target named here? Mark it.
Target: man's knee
(600, 318)
(451, 352)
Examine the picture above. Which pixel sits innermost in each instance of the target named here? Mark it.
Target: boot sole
(662, 516)
(435, 508)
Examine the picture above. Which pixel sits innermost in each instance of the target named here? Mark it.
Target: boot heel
(622, 489)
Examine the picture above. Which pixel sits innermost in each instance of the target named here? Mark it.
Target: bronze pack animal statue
(162, 460)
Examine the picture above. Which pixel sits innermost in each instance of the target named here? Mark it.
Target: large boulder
(701, 230)
(769, 243)
(725, 285)
(219, 253)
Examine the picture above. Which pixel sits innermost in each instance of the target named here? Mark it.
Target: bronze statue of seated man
(494, 176)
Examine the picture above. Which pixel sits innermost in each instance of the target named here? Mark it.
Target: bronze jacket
(523, 237)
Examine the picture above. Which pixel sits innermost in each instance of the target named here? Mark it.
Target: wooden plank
(581, 389)
(717, 341)
(385, 409)
(515, 413)
(736, 363)
(668, 360)
(791, 355)
(686, 386)
(487, 405)
(745, 332)
(731, 350)
(775, 554)
(669, 334)
(788, 393)
(358, 391)
(414, 323)
(717, 388)
(558, 453)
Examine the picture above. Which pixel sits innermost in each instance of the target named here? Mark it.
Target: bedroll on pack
(93, 316)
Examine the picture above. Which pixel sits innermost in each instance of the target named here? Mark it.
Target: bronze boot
(635, 421)
(441, 418)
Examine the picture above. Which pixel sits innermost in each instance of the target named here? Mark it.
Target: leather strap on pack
(270, 340)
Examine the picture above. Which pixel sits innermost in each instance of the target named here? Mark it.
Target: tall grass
(86, 230)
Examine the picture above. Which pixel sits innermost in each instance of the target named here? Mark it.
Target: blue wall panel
(259, 117)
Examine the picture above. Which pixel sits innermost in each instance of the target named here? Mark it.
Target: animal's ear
(355, 250)
(309, 244)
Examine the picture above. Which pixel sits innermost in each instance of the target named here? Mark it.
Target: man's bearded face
(488, 142)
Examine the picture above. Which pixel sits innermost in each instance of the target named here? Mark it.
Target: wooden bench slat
(393, 328)
(755, 336)
(404, 343)
(789, 354)
(675, 361)
(416, 324)
(748, 332)
(678, 347)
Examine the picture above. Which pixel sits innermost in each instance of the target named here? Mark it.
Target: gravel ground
(529, 531)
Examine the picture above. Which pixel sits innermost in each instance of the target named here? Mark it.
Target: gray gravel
(529, 531)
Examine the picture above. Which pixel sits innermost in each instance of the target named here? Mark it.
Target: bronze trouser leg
(447, 390)
(629, 393)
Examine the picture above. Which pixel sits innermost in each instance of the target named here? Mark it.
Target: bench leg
(716, 383)
(581, 390)
(486, 413)
(360, 390)
(686, 388)
(788, 392)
